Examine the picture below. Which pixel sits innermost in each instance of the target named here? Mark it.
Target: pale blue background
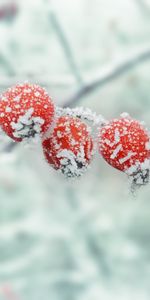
(88, 239)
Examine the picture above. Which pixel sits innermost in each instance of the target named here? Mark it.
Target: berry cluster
(68, 142)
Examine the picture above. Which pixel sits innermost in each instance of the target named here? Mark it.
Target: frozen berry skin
(125, 144)
(25, 111)
(70, 146)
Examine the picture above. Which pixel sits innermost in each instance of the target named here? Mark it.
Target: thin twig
(66, 47)
(83, 113)
(105, 77)
(109, 74)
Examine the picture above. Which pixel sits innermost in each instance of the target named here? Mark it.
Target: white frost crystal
(82, 113)
(73, 165)
(139, 173)
(27, 125)
(116, 151)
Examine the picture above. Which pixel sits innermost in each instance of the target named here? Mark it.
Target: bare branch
(66, 47)
(45, 81)
(109, 74)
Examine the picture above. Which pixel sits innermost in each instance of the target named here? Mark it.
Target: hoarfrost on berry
(69, 148)
(25, 111)
(125, 144)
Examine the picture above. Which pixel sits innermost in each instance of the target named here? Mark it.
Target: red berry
(125, 144)
(25, 110)
(70, 147)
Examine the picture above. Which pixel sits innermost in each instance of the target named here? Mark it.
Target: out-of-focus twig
(66, 47)
(144, 7)
(105, 77)
(109, 74)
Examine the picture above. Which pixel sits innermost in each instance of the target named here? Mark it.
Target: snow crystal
(38, 120)
(27, 126)
(16, 126)
(17, 106)
(107, 142)
(26, 118)
(147, 146)
(82, 113)
(116, 151)
(117, 136)
(4, 99)
(126, 158)
(125, 115)
(8, 109)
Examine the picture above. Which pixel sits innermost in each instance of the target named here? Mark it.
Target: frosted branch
(82, 113)
(109, 74)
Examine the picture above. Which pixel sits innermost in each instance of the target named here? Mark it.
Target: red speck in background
(8, 292)
(8, 10)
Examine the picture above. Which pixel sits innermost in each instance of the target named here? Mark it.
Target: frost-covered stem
(66, 47)
(109, 74)
(82, 113)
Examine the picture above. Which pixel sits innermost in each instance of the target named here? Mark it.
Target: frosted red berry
(125, 144)
(25, 110)
(69, 147)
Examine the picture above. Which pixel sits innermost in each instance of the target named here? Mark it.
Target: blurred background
(87, 239)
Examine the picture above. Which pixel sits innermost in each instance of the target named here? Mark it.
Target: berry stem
(82, 113)
(108, 74)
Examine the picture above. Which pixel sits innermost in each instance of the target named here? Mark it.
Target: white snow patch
(72, 165)
(37, 94)
(139, 173)
(117, 136)
(17, 98)
(125, 115)
(27, 126)
(82, 113)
